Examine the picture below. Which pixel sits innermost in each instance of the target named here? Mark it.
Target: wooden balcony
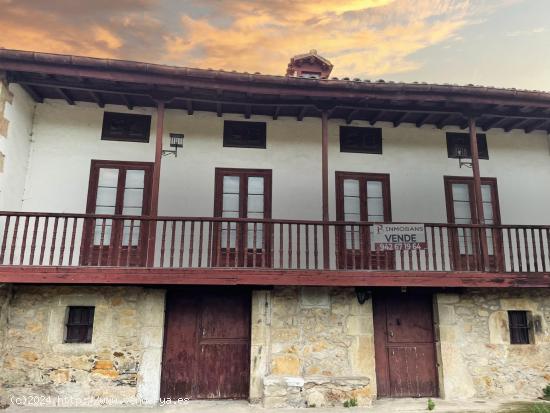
(105, 249)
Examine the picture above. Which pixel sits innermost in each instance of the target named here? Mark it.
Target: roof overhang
(133, 84)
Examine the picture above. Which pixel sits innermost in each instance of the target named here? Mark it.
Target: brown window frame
(90, 253)
(365, 259)
(520, 334)
(261, 126)
(72, 329)
(366, 131)
(470, 261)
(236, 256)
(110, 116)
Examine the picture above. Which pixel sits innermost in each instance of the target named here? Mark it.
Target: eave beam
(31, 91)
(423, 119)
(399, 119)
(97, 99)
(189, 104)
(352, 115)
(276, 112)
(302, 113)
(538, 124)
(127, 101)
(377, 117)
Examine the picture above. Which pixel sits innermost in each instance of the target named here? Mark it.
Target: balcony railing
(52, 239)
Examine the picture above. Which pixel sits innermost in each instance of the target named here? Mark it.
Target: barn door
(404, 345)
(117, 188)
(207, 344)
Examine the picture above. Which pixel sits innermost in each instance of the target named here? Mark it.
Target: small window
(125, 127)
(360, 140)
(458, 145)
(80, 323)
(238, 134)
(520, 327)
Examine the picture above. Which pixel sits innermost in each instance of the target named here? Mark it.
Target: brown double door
(207, 344)
(404, 345)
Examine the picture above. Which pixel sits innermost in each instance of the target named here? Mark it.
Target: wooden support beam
(276, 112)
(302, 113)
(189, 104)
(247, 111)
(422, 120)
(219, 109)
(65, 95)
(155, 187)
(443, 122)
(377, 117)
(352, 115)
(127, 101)
(97, 99)
(31, 91)
(324, 188)
(492, 123)
(538, 124)
(399, 119)
(515, 125)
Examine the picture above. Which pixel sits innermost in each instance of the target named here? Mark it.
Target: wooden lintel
(189, 104)
(422, 120)
(399, 119)
(240, 276)
(31, 91)
(127, 101)
(276, 112)
(97, 99)
(302, 113)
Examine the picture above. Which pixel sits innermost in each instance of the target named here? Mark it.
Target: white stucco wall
(66, 138)
(16, 148)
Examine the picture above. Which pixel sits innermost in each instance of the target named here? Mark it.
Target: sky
(503, 43)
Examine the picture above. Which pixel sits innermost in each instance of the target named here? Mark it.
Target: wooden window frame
(89, 325)
(371, 259)
(243, 208)
(363, 149)
(227, 137)
(521, 332)
(146, 132)
(496, 259)
(482, 146)
(116, 233)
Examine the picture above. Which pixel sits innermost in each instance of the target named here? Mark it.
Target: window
(125, 127)
(458, 145)
(80, 324)
(360, 140)
(238, 134)
(520, 327)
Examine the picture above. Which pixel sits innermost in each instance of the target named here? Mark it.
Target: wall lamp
(363, 294)
(462, 153)
(176, 141)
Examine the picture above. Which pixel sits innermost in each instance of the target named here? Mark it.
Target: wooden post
(324, 168)
(155, 185)
(480, 216)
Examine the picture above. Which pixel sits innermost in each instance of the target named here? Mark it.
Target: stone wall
(476, 355)
(122, 362)
(312, 346)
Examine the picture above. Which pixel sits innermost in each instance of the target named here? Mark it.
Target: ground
(380, 406)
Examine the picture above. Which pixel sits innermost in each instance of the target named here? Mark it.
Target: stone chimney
(309, 65)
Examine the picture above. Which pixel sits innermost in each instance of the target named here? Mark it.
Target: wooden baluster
(535, 255)
(173, 243)
(5, 239)
(410, 256)
(362, 247)
(542, 254)
(63, 240)
(271, 232)
(182, 243)
(91, 244)
(14, 239)
(450, 247)
(426, 254)
(281, 244)
(191, 243)
(162, 242)
(345, 241)
(510, 249)
(209, 246)
(527, 254)
(315, 247)
(24, 241)
(254, 234)
(102, 240)
(219, 230)
(434, 250)
(44, 236)
(245, 244)
(307, 246)
(264, 252)
(130, 243)
(73, 238)
(298, 246)
(143, 225)
(369, 248)
(442, 245)
(228, 243)
(201, 230)
(240, 228)
(113, 241)
(54, 239)
(518, 248)
(352, 247)
(289, 246)
(338, 250)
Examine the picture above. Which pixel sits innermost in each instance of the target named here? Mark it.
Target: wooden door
(362, 197)
(242, 193)
(404, 345)
(117, 188)
(207, 344)
(461, 209)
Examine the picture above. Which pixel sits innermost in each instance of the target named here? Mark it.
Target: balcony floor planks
(230, 276)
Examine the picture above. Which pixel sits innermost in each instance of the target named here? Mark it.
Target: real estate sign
(398, 237)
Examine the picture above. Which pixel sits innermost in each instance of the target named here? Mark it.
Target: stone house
(299, 240)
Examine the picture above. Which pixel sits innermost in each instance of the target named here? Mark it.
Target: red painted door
(207, 344)
(404, 345)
